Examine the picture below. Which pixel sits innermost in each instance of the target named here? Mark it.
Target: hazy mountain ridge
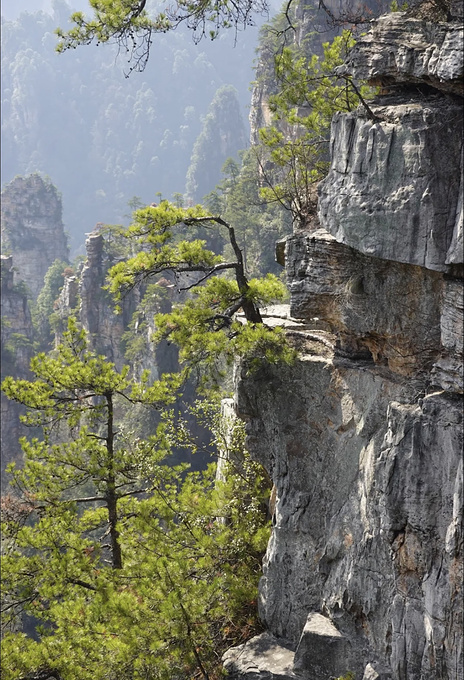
(103, 138)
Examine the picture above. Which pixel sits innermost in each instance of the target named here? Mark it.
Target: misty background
(104, 139)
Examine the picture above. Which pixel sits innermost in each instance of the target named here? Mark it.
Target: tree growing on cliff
(53, 283)
(204, 326)
(106, 542)
(294, 154)
(258, 224)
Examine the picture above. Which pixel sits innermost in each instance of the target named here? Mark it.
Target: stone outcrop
(362, 437)
(394, 184)
(400, 49)
(394, 189)
(17, 337)
(366, 529)
(96, 311)
(263, 657)
(33, 238)
(32, 228)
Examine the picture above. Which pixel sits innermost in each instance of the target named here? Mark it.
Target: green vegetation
(108, 542)
(222, 134)
(20, 287)
(258, 223)
(204, 326)
(44, 307)
(294, 154)
(106, 538)
(130, 27)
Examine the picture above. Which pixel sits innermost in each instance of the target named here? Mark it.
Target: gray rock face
(106, 328)
(363, 436)
(32, 228)
(456, 9)
(394, 189)
(96, 308)
(372, 672)
(380, 310)
(366, 527)
(32, 239)
(394, 185)
(403, 49)
(17, 335)
(405, 317)
(448, 369)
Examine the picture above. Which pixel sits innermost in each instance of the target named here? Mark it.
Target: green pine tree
(204, 326)
(294, 155)
(134, 568)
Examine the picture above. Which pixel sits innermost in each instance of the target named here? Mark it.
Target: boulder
(264, 657)
(322, 651)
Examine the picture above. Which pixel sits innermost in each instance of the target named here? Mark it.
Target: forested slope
(101, 137)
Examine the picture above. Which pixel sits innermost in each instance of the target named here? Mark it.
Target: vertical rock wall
(32, 238)
(96, 311)
(363, 436)
(32, 228)
(17, 349)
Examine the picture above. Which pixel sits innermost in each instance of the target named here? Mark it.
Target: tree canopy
(132, 568)
(204, 325)
(294, 151)
(128, 24)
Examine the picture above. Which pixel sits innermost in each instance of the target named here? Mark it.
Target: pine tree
(205, 325)
(294, 155)
(136, 568)
(129, 25)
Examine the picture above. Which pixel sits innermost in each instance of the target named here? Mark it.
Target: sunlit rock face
(32, 228)
(394, 184)
(394, 189)
(363, 435)
(402, 49)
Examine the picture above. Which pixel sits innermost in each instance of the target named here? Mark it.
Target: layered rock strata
(363, 435)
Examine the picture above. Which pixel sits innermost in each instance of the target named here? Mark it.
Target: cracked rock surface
(393, 187)
(363, 435)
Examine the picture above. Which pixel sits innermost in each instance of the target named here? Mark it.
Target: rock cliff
(363, 435)
(84, 295)
(17, 349)
(95, 308)
(32, 238)
(32, 228)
